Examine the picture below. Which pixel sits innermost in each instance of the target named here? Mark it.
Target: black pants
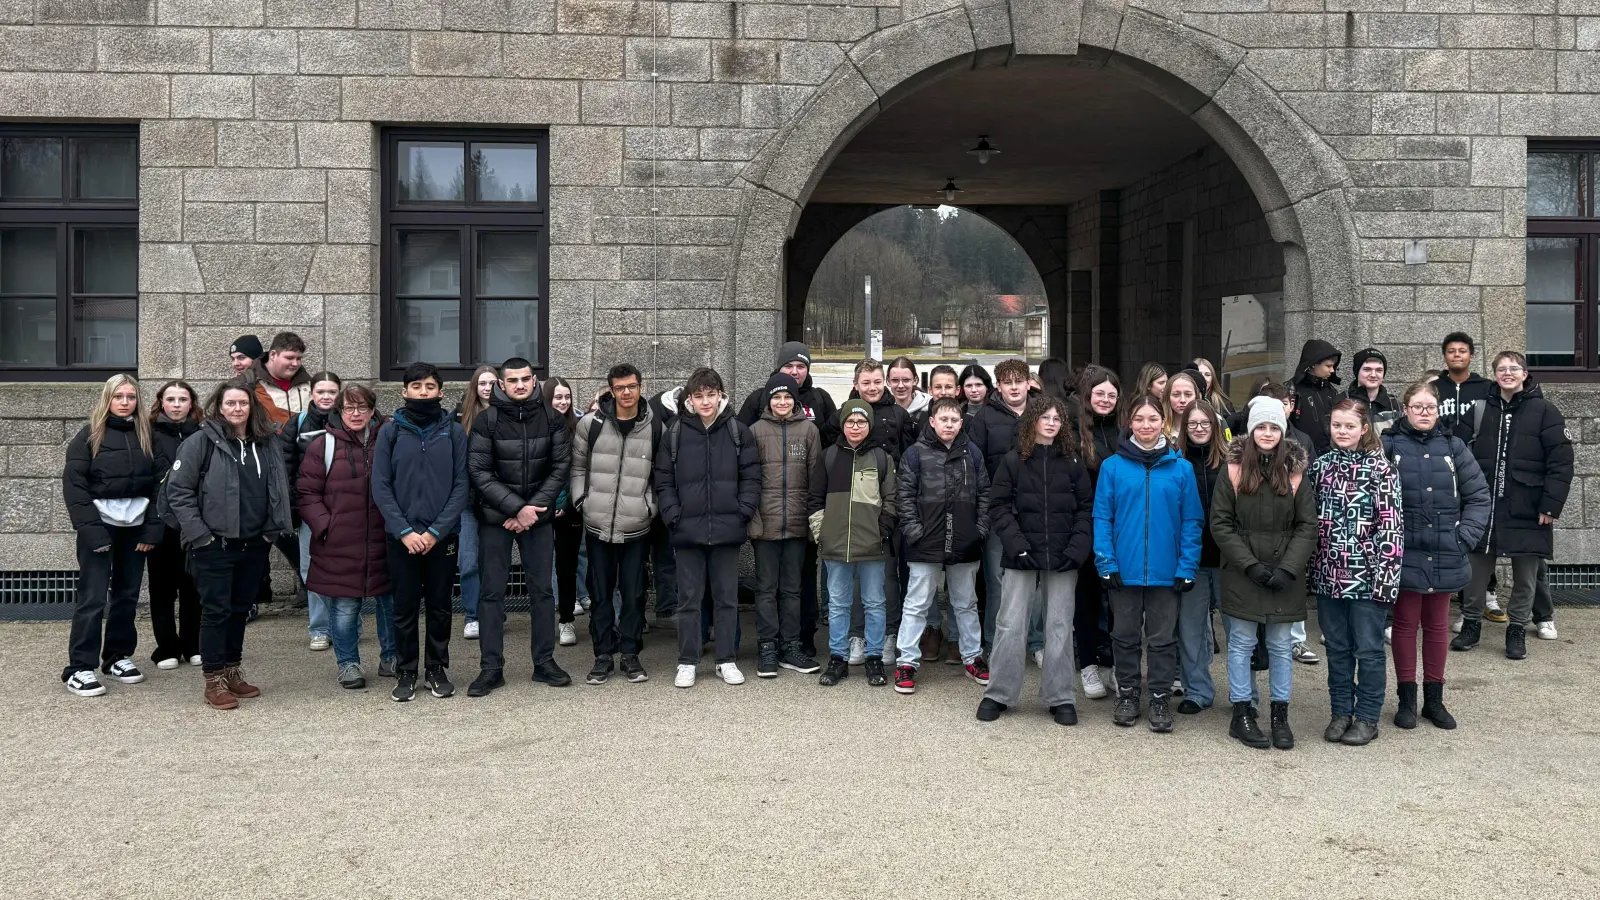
(663, 570)
(779, 566)
(809, 601)
(1150, 613)
(1092, 645)
(171, 585)
(696, 564)
(226, 574)
(568, 538)
(616, 567)
(108, 594)
(494, 567)
(425, 581)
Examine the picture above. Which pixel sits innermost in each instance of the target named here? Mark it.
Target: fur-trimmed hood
(1299, 460)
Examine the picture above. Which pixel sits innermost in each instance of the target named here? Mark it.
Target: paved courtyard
(776, 789)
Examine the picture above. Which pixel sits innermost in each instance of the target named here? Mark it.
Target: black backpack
(596, 427)
(672, 438)
(163, 504)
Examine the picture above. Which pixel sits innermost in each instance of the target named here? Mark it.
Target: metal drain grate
(1575, 585)
(37, 594)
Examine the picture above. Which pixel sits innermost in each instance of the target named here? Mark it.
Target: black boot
(1471, 631)
(767, 659)
(1244, 727)
(1282, 737)
(1516, 641)
(1433, 705)
(1405, 715)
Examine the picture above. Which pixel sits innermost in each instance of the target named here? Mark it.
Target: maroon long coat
(348, 558)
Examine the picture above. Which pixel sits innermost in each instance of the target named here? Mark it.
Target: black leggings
(1091, 641)
(568, 540)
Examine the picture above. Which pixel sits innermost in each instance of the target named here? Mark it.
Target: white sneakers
(1545, 631)
(84, 683)
(1300, 653)
(729, 673)
(1038, 659)
(1388, 633)
(1093, 687)
(469, 631)
(569, 634)
(891, 647)
(195, 660)
(858, 651)
(685, 676)
(168, 664)
(321, 642)
(1455, 627)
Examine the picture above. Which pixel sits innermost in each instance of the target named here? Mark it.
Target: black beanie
(793, 351)
(248, 344)
(1370, 353)
(781, 382)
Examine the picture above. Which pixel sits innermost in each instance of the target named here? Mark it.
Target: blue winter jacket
(1147, 516)
(419, 475)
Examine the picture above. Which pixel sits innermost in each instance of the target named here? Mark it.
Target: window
(1563, 320)
(69, 252)
(466, 249)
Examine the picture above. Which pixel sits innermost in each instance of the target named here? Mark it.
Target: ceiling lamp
(983, 151)
(949, 191)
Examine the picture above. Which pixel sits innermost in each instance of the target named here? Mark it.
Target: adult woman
(568, 528)
(108, 483)
(229, 496)
(1147, 524)
(476, 401)
(1202, 446)
(1355, 570)
(301, 429)
(1040, 504)
(1445, 507)
(1213, 387)
(1264, 519)
(175, 417)
(1152, 382)
(347, 554)
(1099, 427)
(976, 385)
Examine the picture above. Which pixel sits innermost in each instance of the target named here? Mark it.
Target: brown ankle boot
(217, 693)
(233, 676)
(932, 644)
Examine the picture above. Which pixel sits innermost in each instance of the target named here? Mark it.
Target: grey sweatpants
(1524, 581)
(1009, 656)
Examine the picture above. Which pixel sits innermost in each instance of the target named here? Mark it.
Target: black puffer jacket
(165, 438)
(302, 428)
(708, 491)
(1383, 405)
(993, 428)
(1315, 397)
(1042, 508)
(943, 499)
(518, 454)
(1205, 480)
(1444, 502)
(120, 470)
(892, 427)
(1522, 447)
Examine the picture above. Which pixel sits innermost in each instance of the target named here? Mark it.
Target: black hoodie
(1315, 397)
(816, 404)
(1456, 402)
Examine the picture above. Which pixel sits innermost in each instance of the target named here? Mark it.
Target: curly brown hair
(1037, 406)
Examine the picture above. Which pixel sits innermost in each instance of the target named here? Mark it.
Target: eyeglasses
(1200, 426)
(1422, 410)
(358, 410)
(625, 389)
(1508, 370)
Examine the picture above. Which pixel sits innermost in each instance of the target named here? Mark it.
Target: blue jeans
(842, 580)
(346, 618)
(316, 604)
(1356, 662)
(1242, 645)
(924, 583)
(1194, 637)
(467, 563)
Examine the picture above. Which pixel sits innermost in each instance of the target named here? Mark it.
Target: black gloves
(1183, 585)
(1280, 580)
(1066, 565)
(1025, 561)
(1260, 574)
(1112, 582)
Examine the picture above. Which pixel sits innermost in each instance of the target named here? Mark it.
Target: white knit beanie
(1267, 411)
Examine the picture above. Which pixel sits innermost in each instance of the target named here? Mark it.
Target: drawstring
(253, 453)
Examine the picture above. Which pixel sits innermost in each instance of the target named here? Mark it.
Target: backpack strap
(672, 440)
(327, 454)
(596, 427)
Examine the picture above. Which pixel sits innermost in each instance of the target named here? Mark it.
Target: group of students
(1107, 525)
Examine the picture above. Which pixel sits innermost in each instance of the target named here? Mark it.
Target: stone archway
(1296, 177)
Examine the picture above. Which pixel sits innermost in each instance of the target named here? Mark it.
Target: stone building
(588, 181)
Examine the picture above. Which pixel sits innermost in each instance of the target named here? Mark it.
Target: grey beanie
(1267, 411)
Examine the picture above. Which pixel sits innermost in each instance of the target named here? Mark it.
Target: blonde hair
(472, 404)
(102, 408)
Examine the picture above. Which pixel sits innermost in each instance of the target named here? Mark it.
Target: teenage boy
(791, 449)
(942, 382)
(419, 481)
(243, 353)
(708, 483)
(1316, 391)
(279, 379)
(852, 511)
(943, 499)
(1461, 390)
(1370, 367)
(518, 458)
(992, 427)
(613, 455)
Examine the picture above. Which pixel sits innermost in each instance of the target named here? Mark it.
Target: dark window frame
(467, 219)
(69, 215)
(1586, 227)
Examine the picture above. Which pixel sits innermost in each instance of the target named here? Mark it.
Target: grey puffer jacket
(611, 479)
(210, 509)
(791, 455)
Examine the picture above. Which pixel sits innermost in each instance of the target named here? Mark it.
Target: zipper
(1044, 463)
(850, 507)
(622, 458)
(783, 529)
(1147, 523)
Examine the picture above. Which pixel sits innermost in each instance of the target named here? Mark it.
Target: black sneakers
(767, 661)
(1160, 713)
(989, 710)
(551, 674)
(439, 683)
(795, 658)
(837, 671)
(1471, 633)
(405, 688)
(600, 672)
(1127, 709)
(487, 681)
(875, 674)
(1065, 714)
(631, 669)
(1516, 641)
